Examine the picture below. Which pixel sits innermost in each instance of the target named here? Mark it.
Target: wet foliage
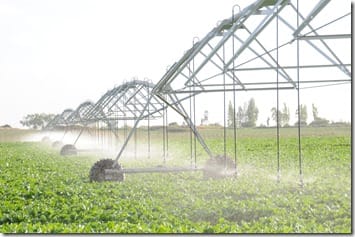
(43, 192)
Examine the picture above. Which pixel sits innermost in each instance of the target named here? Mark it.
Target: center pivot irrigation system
(271, 45)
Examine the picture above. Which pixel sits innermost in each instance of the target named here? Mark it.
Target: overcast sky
(57, 54)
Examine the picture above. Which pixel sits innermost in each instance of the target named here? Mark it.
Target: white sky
(57, 54)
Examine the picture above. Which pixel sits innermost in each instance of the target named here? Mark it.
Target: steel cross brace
(341, 65)
(133, 130)
(179, 108)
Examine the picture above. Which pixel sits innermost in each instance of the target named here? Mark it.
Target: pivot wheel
(57, 144)
(97, 171)
(219, 167)
(68, 150)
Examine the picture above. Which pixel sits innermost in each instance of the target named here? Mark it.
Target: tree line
(247, 116)
(36, 121)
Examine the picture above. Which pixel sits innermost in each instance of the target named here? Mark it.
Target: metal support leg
(81, 132)
(133, 130)
(187, 119)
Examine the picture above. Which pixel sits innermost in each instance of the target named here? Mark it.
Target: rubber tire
(68, 150)
(97, 171)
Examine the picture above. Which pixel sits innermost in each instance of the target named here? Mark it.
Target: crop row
(44, 192)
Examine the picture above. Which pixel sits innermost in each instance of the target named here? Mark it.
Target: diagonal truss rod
(133, 95)
(317, 9)
(179, 108)
(221, 68)
(142, 97)
(239, 19)
(309, 42)
(187, 119)
(152, 103)
(97, 108)
(340, 65)
(272, 14)
(118, 109)
(283, 72)
(90, 117)
(199, 84)
(342, 68)
(118, 98)
(124, 105)
(132, 131)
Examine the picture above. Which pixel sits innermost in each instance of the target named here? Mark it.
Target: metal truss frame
(79, 115)
(241, 32)
(230, 53)
(126, 102)
(60, 120)
(256, 39)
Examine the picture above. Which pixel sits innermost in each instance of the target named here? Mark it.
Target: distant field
(14, 134)
(43, 192)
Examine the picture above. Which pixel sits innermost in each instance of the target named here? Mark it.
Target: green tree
(276, 115)
(251, 114)
(318, 121)
(231, 115)
(315, 112)
(36, 121)
(303, 115)
(240, 117)
(285, 116)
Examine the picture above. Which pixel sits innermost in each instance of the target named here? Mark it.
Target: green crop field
(42, 192)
